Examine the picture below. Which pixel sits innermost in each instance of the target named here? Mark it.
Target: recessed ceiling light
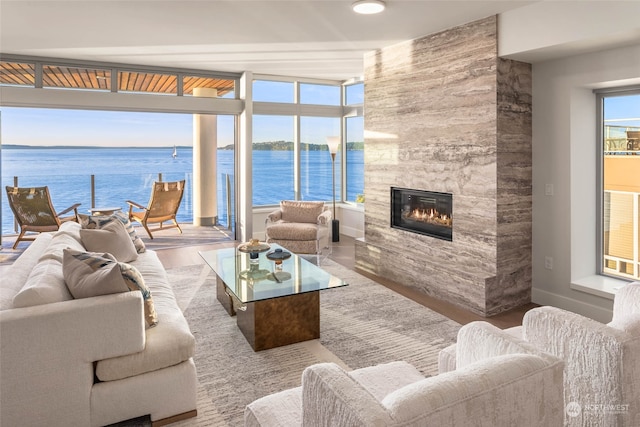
(368, 7)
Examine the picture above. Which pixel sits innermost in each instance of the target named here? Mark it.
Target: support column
(205, 151)
(244, 170)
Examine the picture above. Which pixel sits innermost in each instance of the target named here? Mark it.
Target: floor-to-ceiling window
(272, 159)
(620, 183)
(315, 161)
(103, 158)
(354, 130)
(291, 159)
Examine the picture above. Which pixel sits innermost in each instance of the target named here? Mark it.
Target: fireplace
(424, 212)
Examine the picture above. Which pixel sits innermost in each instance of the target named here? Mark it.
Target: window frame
(601, 94)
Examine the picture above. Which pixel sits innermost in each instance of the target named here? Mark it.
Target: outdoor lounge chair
(163, 206)
(34, 211)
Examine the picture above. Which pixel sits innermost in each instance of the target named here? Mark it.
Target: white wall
(555, 29)
(564, 154)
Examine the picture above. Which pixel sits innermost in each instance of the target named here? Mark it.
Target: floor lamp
(333, 142)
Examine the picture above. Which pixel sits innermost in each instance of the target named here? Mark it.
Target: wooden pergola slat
(100, 79)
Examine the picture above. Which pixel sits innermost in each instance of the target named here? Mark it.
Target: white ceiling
(316, 39)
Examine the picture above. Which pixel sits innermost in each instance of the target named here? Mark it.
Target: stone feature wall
(444, 113)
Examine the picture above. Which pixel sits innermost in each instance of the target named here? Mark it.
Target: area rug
(362, 324)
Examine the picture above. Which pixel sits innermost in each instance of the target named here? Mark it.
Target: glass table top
(262, 280)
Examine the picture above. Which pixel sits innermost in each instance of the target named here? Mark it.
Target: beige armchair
(522, 388)
(602, 362)
(301, 227)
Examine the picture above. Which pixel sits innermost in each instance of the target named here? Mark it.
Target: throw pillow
(93, 274)
(99, 221)
(137, 241)
(112, 238)
(298, 211)
(135, 282)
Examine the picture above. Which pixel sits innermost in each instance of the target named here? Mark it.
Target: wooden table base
(281, 321)
(274, 322)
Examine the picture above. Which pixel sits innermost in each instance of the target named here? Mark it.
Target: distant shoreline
(260, 146)
(28, 147)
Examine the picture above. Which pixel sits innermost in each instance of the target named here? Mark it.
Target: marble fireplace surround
(444, 113)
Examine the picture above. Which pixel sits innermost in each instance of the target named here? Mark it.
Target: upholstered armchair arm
(597, 357)
(480, 340)
(331, 397)
(568, 334)
(509, 390)
(626, 304)
(274, 216)
(325, 217)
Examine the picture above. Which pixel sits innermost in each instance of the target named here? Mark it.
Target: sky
(622, 107)
(49, 127)
(55, 127)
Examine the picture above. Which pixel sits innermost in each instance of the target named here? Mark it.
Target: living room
(583, 49)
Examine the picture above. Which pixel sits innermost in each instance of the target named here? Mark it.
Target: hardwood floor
(343, 252)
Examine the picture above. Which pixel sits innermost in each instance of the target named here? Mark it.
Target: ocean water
(127, 174)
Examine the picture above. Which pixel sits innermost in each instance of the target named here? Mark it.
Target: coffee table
(273, 307)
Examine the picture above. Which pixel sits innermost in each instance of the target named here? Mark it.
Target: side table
(104, 211)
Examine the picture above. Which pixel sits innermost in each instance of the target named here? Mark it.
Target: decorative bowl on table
(277, 256)
(253, 247)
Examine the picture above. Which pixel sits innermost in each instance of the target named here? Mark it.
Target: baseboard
(600, 314)
(350, 231)
(175, 418)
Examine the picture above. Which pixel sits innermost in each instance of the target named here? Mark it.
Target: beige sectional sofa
(89, 361)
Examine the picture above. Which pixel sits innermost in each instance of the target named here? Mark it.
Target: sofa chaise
(91, 361)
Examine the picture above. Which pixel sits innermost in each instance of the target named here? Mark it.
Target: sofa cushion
(296, 211)
(112, 238)
(381, 380)
(72, 229)
(168, 343)
(90, 274)
(59, 242)
(14, 276)
(292, 231)
(99, 221)
(44, 285)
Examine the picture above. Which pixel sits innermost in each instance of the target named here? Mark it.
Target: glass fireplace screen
(423, 212)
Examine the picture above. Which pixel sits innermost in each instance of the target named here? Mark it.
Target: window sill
(602, 286)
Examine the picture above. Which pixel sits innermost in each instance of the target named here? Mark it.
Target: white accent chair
(301, 227)
(523, 388)
(602, 362)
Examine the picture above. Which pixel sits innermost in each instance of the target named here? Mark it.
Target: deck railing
(95, 191)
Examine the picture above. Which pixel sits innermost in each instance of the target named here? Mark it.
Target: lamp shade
(333, 142)
(368, 7)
